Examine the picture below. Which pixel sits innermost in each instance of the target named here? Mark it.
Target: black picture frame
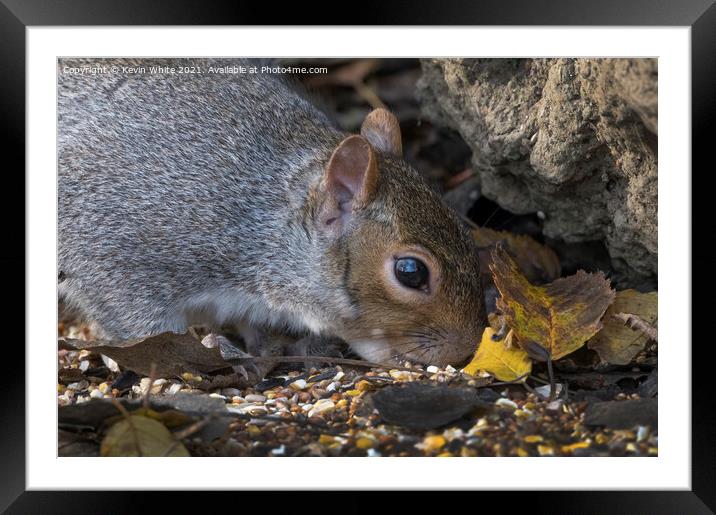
(17, 15)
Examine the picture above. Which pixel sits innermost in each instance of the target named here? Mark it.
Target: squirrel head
(406, 265)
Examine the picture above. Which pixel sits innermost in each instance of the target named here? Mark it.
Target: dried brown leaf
(171, 353)
(617, 343)
(537, 262)
(560, 317)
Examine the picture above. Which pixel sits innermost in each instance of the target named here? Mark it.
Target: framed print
(359, 248)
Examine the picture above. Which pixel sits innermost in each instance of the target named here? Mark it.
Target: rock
(650, 387)
(623, 414)
(423, 405)
(574, 139)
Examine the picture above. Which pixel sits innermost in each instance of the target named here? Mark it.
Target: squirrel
(232, 200)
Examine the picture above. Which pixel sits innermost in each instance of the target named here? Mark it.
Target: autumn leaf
(537, 262)
(617, 343)
(500, 360)
(559, 317)
(171, 354)
(137, 435)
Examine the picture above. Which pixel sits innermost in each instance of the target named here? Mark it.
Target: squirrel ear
(350, 179)
(382, 129)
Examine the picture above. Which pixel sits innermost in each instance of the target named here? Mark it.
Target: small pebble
(506, 403)
(432, 369)
(326, 440)
(322, 407)
(246, 408)
(96, 394)
(317, 393)
(279, 451)
(642, 433)
(545, 450)
(545, 389)
(299, 384)
(403, 375)
(555, 405)
(364, 386)
(81, 385)
(453, 433)
(84, 365)
(110, 363)
(255, 398)
(365, 443)
(433, 443)
(173, 389)
(575, 446)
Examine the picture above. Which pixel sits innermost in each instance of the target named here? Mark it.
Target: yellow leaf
(506, 364)
(559, 317)
(136, 435)
(617, 343)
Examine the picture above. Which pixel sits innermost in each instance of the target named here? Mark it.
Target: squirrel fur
(230, 199)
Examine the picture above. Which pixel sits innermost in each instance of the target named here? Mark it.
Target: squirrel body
(220, 199)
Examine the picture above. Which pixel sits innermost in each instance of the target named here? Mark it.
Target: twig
(518, 380)
(550, 372)
(184, 433)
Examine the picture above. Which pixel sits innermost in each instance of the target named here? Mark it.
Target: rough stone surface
(573, 138)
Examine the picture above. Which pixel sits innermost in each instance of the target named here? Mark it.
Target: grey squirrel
(231, 200)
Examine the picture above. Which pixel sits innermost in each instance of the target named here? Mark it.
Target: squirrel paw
(312, 345)
(229, 351)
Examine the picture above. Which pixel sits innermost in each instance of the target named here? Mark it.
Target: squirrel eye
(411, 272)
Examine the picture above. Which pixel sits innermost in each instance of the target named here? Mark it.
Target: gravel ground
(330, 412)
